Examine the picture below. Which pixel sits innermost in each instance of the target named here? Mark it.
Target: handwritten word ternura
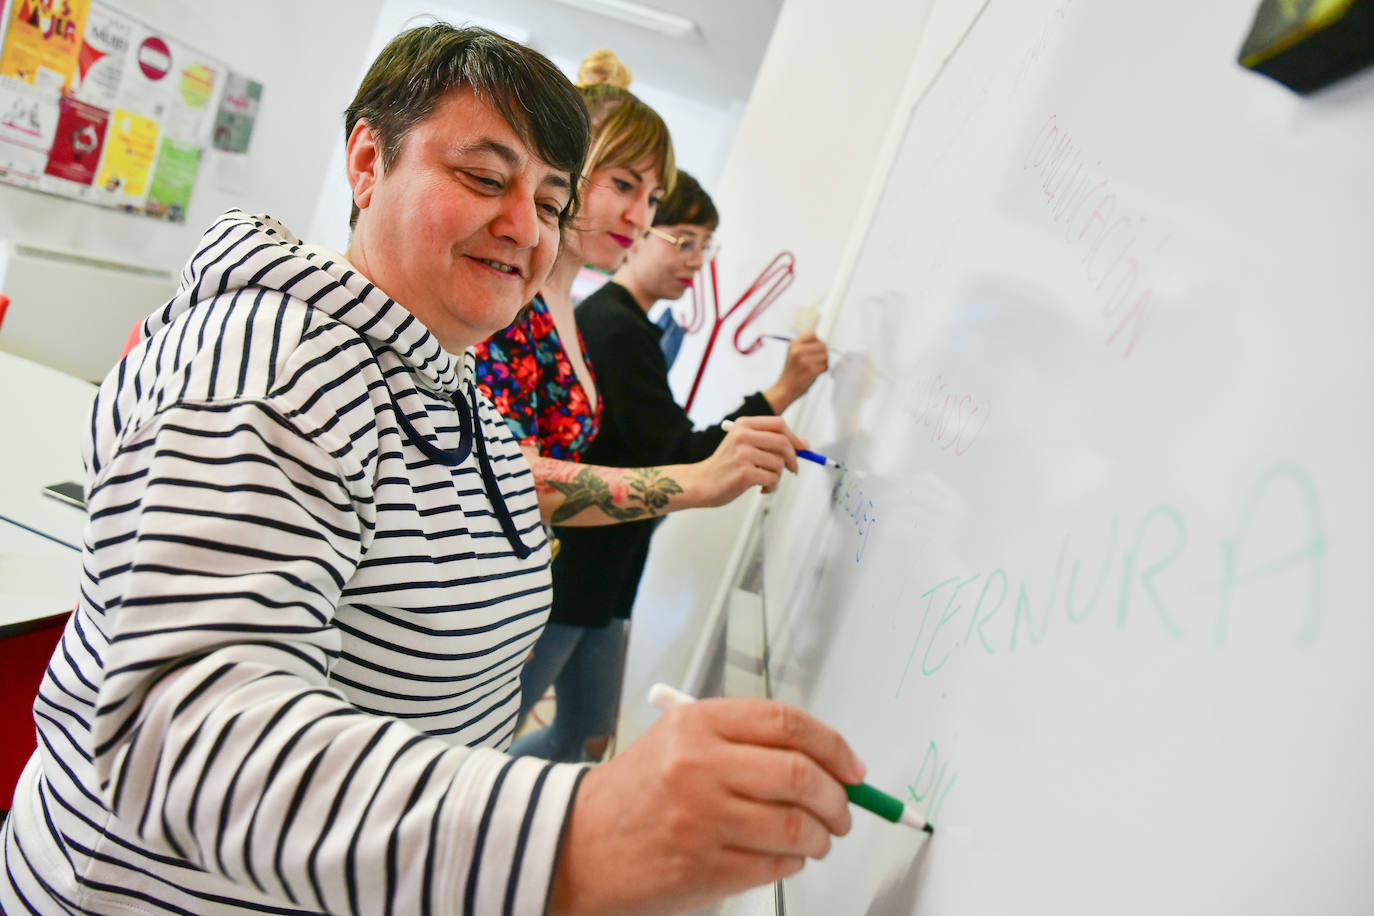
(994, 612)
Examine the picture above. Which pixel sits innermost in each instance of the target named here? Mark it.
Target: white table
(42, 413)
(39, 580)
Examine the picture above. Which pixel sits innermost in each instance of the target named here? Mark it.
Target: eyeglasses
(687, 245)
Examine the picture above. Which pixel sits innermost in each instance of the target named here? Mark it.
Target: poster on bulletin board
(100, 63)
(130, 150)
(78, 143)
(238, 111)
(175, 176)
(98, 106)
(43, 41)
(28, 123)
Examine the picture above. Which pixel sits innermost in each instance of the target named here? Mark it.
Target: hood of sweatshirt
(241, 252)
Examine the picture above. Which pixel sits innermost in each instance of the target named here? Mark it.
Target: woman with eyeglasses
(597, 570)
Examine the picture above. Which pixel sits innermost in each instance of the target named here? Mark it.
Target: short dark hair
(421, 66)
(687, 205)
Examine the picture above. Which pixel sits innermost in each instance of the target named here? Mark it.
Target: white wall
(702, 133)
(800, 166)
(794, 179)
(306, 56)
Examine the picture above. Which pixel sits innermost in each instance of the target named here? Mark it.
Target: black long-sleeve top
(597, 571)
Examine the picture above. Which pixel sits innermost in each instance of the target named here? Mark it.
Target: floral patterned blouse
(526, 373)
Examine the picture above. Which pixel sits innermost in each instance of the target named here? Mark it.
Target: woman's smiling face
(463, 227)
(617, 206)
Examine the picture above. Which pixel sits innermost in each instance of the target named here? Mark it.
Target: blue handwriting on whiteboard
(849, 495)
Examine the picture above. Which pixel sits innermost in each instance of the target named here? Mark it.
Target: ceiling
(716, 66)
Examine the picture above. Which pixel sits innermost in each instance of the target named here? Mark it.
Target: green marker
(885, 806)
(663, 698)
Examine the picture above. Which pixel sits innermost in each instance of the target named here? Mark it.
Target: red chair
(4, 304)
(23, 659)
(132, 340)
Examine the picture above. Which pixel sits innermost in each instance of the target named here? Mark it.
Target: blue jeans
(585, 666)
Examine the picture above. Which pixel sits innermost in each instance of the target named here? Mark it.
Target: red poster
(76, 148)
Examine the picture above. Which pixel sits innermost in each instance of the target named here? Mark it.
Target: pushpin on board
(1308, 44)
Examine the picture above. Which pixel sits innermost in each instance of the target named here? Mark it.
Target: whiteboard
(1092, 595)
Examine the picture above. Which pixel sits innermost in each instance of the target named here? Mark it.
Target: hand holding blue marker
(663, 698)
(801, 452)
(784, 338)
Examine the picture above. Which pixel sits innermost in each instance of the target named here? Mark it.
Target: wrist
(575, 890)
(779, 397)
(695, 483)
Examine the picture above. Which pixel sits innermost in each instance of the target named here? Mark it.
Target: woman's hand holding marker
(807, 358)
(754, 453)
(717, 797)
(798, 449)
(663, 698)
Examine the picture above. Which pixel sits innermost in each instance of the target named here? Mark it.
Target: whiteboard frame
(917, 85)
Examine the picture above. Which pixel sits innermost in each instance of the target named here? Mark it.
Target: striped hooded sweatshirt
(313, 567)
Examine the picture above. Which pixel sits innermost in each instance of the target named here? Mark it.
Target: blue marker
(785, 339)
(820, 459)
(801, 452)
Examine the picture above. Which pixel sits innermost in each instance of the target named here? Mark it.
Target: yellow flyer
(44, 41)
(130, 146)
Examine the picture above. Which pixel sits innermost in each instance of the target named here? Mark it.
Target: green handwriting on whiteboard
(931, 786)
(1280, 531)
(1241, 566)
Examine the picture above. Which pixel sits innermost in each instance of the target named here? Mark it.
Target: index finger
(768, 723)
(774, 425)
(796, 441)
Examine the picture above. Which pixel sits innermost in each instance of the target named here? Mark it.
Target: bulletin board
(98, 106)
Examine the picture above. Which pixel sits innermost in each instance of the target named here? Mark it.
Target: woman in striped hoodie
(313, 566)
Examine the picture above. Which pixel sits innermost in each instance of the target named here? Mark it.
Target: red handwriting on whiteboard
(1115, 241)
(953, 418)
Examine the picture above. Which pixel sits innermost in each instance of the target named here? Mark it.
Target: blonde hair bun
(603, 68)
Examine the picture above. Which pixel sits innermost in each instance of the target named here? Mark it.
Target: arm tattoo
(638, 493)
